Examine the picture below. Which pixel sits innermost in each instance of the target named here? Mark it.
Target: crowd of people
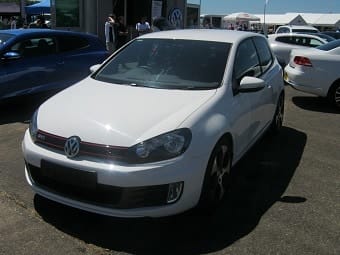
(15, 23)
(11, 23)
(116, 32)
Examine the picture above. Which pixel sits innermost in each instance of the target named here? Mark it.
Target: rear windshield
(329, 46)
(4, 38)
(168, 64)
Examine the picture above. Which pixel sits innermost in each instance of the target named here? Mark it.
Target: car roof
(273, 36)
(326, 37)
(39, 31)
(215, 35)
(300, 26)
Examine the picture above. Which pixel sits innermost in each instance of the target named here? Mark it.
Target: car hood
(117, 115)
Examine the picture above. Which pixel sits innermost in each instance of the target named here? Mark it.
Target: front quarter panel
(221, 115)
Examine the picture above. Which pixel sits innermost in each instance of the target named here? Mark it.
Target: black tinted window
(284, 39)
(304, 31)
(246, 61)
(265, 55)
(299, 40)
(68, 43)
(35, 47)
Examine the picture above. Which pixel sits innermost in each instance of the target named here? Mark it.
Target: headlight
(33, 127)
(162, 147)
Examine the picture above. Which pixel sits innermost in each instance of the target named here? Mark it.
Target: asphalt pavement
(285, 198)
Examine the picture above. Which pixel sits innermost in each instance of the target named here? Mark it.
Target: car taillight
(303, 61)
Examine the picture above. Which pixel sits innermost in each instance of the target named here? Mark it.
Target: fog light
(174, 192)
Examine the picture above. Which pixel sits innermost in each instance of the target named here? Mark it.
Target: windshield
(329, 46)
(168, 64)
(326, 37)
(4, 38)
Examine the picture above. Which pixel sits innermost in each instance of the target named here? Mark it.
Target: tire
(217, 177)
(277, 122)
(334, 95)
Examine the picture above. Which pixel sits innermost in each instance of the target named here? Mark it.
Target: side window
(68, 43)
(246, 61)
(299, 40)
(35, 47)
(315, 42)
(284, 39)
(264, 52)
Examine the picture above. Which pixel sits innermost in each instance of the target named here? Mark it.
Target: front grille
(82, 186)
(89, 149)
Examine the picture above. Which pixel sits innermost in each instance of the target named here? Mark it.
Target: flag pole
(264, 18)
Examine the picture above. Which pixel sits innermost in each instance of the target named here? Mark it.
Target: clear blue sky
(273, 7)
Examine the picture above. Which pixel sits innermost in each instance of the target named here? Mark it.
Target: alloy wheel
(219, 173)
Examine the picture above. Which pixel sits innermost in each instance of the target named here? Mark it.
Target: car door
(258, 103)
(33, 71)
(271, 75)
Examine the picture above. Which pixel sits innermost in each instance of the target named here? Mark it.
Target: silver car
(282, 44)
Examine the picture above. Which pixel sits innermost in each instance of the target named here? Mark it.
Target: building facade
(90, 16)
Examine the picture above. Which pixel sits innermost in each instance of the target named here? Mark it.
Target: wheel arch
(332, 89)
(229, 138)
(335, 83)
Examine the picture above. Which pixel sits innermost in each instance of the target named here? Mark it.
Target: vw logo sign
(71, 147)
(176, 17)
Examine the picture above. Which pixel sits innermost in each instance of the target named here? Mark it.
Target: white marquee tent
(239, 19)
(323, 21)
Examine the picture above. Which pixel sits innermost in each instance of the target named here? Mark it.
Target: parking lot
(284, 199)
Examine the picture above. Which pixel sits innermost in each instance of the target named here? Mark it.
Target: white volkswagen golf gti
(156, 128)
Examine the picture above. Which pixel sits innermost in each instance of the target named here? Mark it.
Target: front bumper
(119, 189)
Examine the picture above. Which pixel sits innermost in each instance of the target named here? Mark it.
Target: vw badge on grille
(71, 147)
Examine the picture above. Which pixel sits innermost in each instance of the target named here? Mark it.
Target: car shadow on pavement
(259, 181)
(315, 104)
(20, 109)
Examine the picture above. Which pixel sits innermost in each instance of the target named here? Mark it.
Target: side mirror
(251, 84)
(11, 55)
(94, 68)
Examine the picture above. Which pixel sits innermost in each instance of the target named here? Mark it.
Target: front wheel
(217, 176)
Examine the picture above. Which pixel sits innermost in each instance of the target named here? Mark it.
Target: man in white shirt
(143, 26)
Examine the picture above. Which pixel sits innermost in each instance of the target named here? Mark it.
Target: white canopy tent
(239, 20)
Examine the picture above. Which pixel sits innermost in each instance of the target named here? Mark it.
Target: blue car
(43, 60)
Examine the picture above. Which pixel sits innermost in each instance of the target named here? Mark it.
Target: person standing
(121, 32)
(41, 23)
(110, 36)
(143, 26)
(13, 23)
